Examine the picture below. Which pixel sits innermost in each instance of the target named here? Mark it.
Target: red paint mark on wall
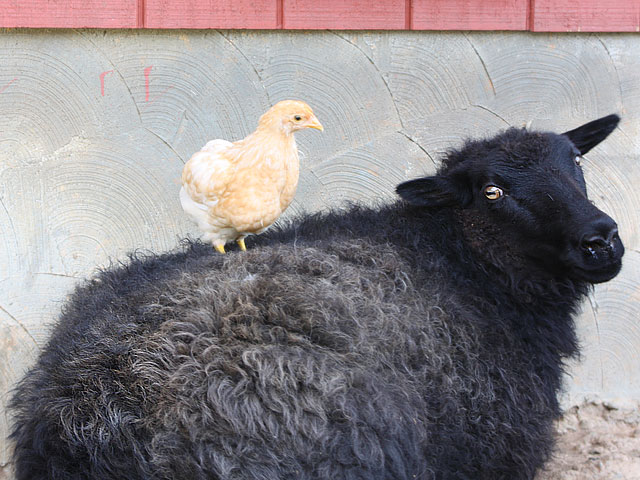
(147, 74)
(7, 85)
(102, 75)
(158, 97)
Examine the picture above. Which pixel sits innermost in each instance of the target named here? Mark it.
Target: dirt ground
(597, 441)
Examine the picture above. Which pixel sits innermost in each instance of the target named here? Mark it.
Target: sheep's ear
(436, 191)
(591, 134)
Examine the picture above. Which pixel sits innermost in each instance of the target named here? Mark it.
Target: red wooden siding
(535, 15)
(347, 14)
(586, 16)
(254, 14)
(469, 14)
(69, 13)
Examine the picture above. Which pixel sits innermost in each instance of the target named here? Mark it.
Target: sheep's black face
(527, 190)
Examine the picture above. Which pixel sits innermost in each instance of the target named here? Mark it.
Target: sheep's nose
(601, 235)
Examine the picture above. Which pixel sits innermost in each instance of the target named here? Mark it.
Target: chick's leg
(219, 247)
(241, 244)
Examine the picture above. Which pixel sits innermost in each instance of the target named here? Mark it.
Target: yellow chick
(236, 189)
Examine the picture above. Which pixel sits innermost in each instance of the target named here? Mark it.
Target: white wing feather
(216, 145)
(206, 166)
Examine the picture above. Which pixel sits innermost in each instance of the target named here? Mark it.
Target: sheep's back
(306, 361)
(297, 349)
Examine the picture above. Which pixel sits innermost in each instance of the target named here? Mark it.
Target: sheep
(423, 338)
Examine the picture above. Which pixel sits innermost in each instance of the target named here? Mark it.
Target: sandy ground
(596, 441)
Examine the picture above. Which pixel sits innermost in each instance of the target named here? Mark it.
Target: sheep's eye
(492, 192)
(578, 160)
(297, 118)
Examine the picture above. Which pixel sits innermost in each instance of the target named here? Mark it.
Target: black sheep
(424, 339)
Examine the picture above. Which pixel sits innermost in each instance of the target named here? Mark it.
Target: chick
(237, 189)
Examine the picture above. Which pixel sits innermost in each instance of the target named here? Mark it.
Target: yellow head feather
(289, 116)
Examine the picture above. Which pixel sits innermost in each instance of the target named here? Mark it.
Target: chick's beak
(314, 123)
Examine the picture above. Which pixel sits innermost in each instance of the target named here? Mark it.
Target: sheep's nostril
(599, 234)
(594, 242)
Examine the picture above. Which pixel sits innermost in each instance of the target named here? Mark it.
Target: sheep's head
(528, 189)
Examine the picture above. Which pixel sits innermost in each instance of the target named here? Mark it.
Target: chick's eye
(297, 118)
(492, 192)
(578, 160)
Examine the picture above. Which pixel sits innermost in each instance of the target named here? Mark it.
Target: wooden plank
(546, 15)
(586, 16)
(69, 13)
(345, 15)
(237, 14)
(469, 14)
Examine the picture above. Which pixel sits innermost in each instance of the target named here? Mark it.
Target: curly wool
(368, 343)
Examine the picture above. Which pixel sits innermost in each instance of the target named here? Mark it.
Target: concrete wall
(95, 127)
